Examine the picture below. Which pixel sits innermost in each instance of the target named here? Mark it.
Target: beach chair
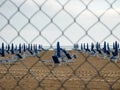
(106, 51)
(99, 51)
(68, 56)
(92, 51)
(55, 60)
(4, 61)
(114, 58)
(115, 53)
(8, 61)
(30, 52)
(19, 56)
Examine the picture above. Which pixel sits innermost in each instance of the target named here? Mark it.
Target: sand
(85, 73)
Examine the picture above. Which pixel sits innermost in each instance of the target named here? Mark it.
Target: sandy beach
(85, 73)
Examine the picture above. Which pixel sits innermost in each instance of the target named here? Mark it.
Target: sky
(67, 21)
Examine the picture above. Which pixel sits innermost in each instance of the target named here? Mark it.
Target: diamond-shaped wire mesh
(46, 22)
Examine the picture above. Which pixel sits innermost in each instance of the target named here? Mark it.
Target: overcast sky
(68, 21)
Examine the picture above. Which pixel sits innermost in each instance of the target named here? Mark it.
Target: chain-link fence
(46, 22)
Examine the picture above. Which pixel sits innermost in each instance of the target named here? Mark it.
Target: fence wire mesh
(68, 21)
